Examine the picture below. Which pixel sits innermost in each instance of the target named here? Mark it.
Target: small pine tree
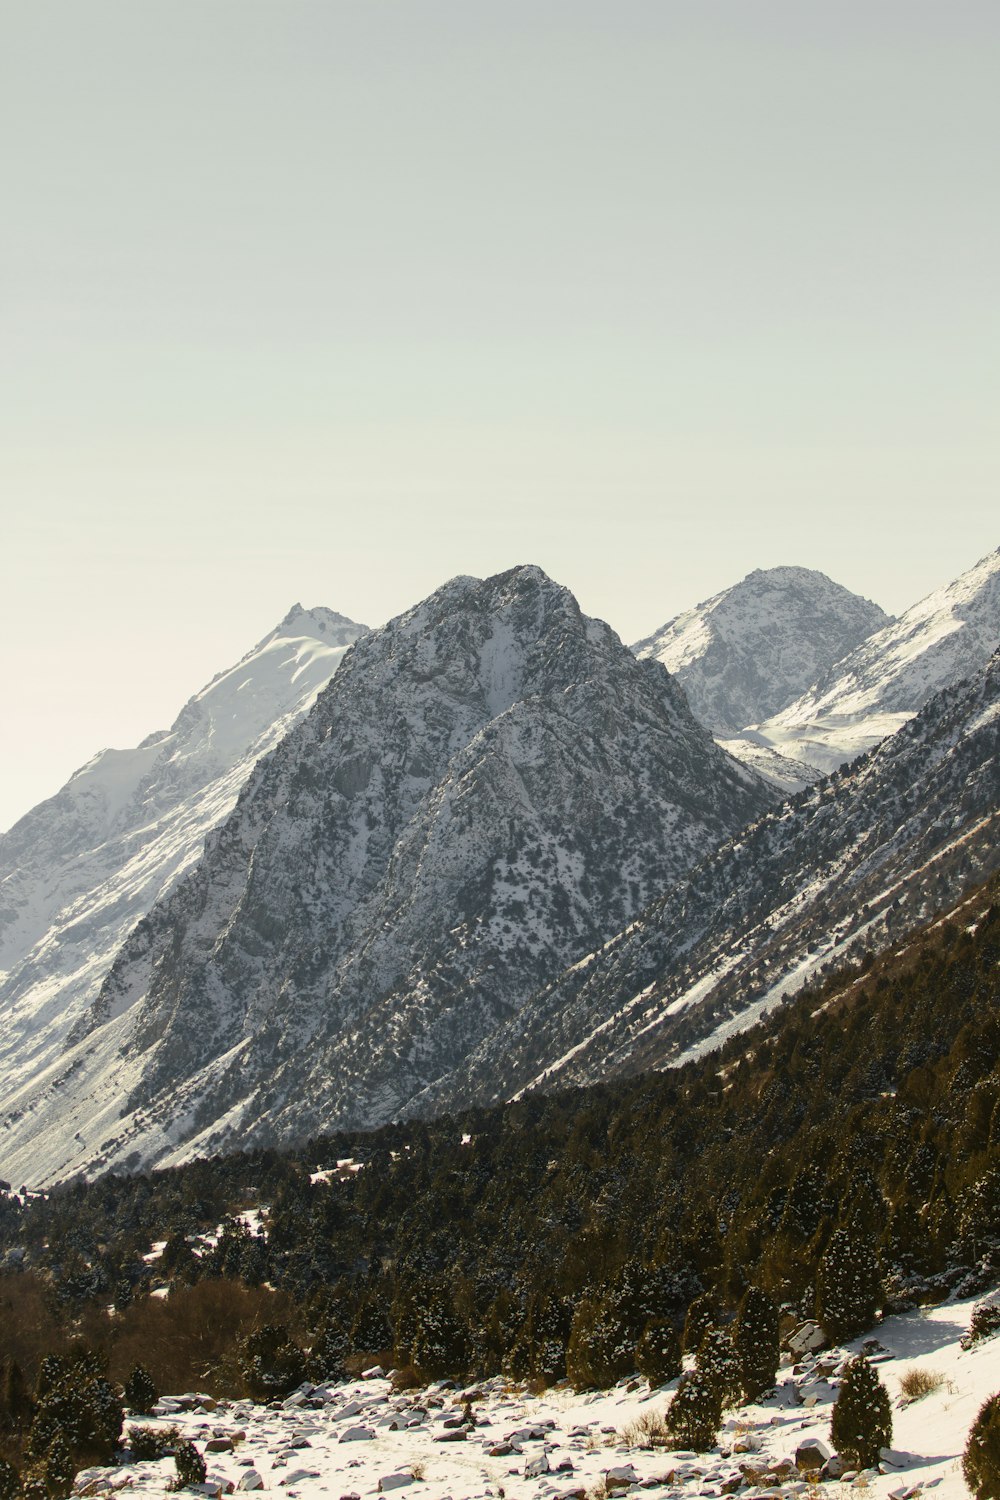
(140, 1391)
(862, 1415)
(981, 1460)
(694, 1414)
(718, 1363)
(755, 1339)
(270, 1363)
(701, 1315)
(659, 1352)
(59, 1469)
(601, 1348)
(849, 1286)
(190, 1464)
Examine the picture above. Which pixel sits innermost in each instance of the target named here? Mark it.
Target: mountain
(80, 869)
(747, 652)
(490, 786)
(888, 677)
(841, 868)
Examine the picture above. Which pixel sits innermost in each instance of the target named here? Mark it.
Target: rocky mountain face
(747, 652)
(491, 786)
(79, 870)
(862, 857)
(885, 680)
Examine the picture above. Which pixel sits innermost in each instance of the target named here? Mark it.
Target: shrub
(981, 1460)
(917, 1383)
(150, 1443)
(694, 1414)
(862, 1415)
(659, 1353)
(10, 1482)
(76, 1403)
(140, 1391)
(984, 1325)
(648, 1431)
(190, 1464)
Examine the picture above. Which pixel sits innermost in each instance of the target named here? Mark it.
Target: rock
(251, 1480)
(296, 1476)
(356, 1435)
(375, 1372)
(812, 1454)
(620, 1476)
(394, 1481)
(219, 1445)
(501, 1450)
(536, 1466)
(805, 1338)
(451, 1435)
(833, 1468)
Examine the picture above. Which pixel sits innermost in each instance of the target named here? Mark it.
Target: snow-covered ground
(363, 1439)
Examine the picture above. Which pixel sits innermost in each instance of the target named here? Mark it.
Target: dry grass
(918, 1383)
(647, 1431)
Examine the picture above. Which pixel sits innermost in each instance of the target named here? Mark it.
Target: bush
(190, 1464)
(694, 1414)
(981, 1460)
(10, 1482)
(659, 1353)
(862, 1416)
(140, 1392)
(918, 1383)
(77, 1404)
(150, 1443)
(985, 1324)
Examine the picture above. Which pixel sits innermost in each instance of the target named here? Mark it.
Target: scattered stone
(806, 1338)
(451, 1435)
(376, 1372)
(251, 1480)
(394, 1481)
(356, 1435)
(812, 1454)
(537, 1466)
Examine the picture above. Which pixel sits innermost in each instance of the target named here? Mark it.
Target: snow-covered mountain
(884, 681)
(490, 786)
(860, 858)
(80, 869)
(747, 652)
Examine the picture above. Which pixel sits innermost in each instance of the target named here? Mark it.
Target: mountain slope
(883, 682)
(845, 865)
(491, 785)
(747, 652)
(79, 870)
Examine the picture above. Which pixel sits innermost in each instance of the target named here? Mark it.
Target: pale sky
(329, 300)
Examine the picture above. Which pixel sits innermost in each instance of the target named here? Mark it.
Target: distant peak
(323, 623)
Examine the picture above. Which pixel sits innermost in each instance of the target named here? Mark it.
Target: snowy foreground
(362, 1439)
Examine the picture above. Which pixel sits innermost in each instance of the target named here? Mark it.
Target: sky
(330, 300)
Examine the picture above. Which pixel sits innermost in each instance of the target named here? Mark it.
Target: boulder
(812, 1454)
(356, 1435)
(396, 1481)
(806, 1338)
(251, 1480)
(536, 1467)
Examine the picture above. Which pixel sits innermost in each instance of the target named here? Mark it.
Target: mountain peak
(748, 651)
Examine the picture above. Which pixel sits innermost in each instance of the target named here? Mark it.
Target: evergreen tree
(695, 1413)
(10, 1483)
(190, 1464)
(981, 1460)
(270, 1363)
(862, 1415)
(849, 1286)
(140, 1391)
(701, 1315)
(659, 1352)
(601, 1348)
(755, 1339)
(718, 1363)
